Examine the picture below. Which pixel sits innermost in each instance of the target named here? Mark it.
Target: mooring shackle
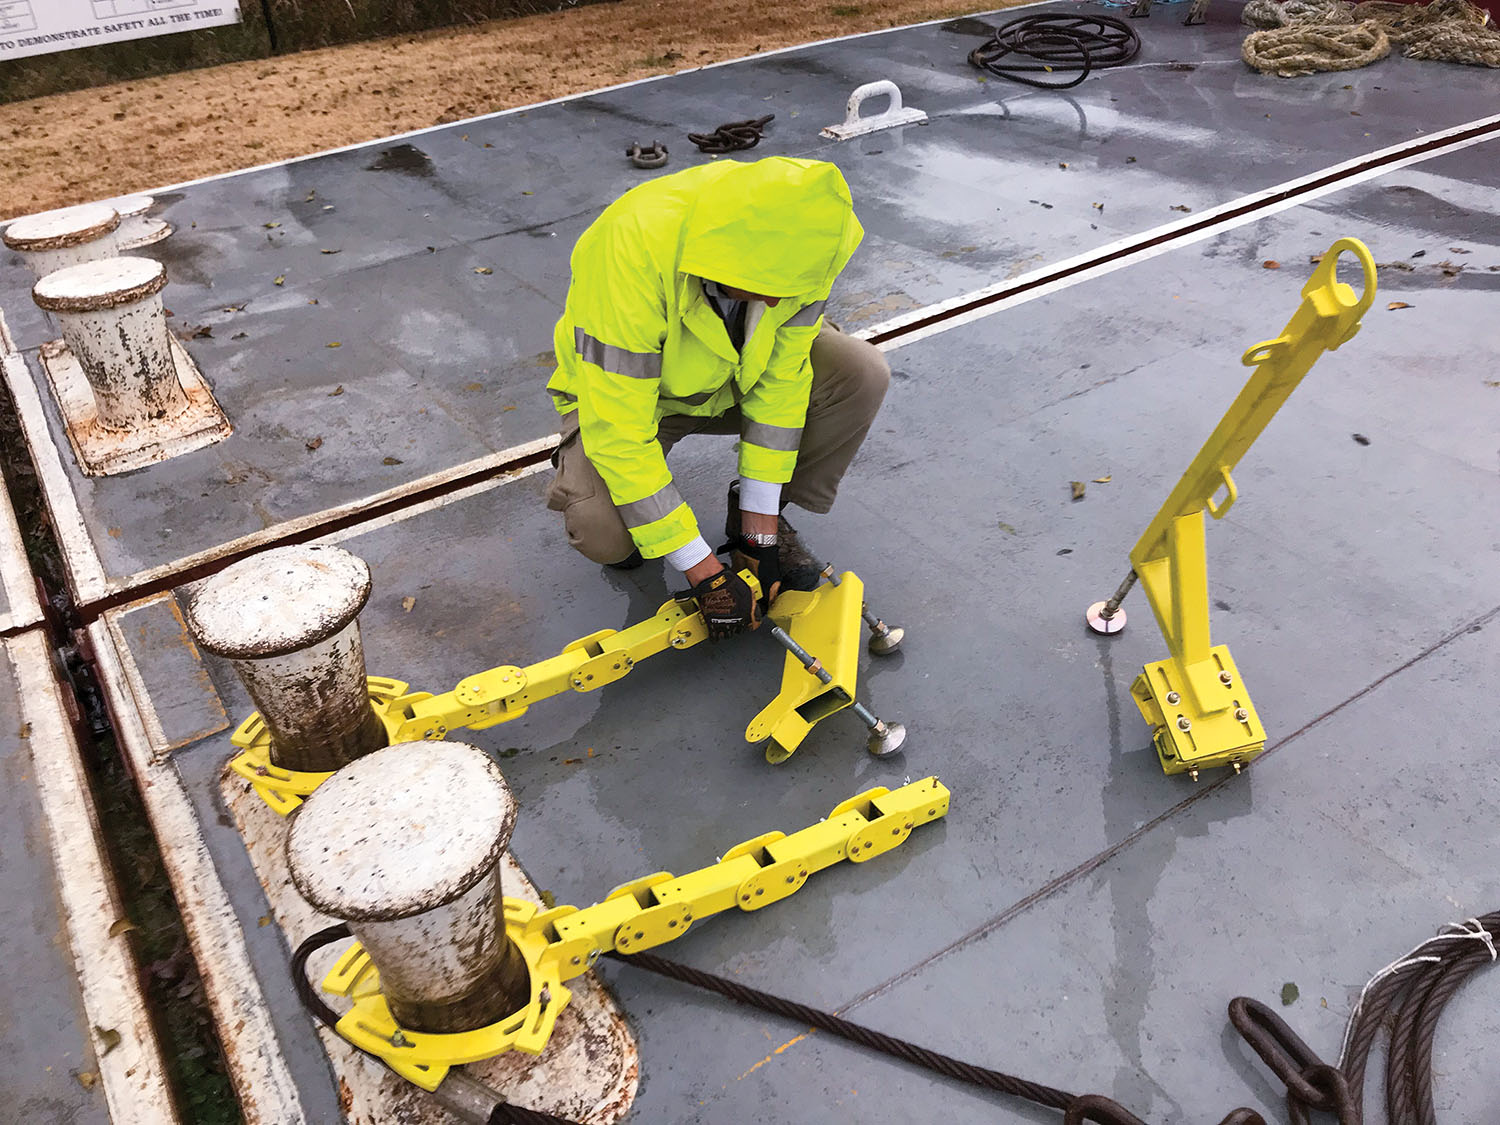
(653, 157)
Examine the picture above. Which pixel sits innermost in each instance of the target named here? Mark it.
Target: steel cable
(1048, 43)
(504, 1113)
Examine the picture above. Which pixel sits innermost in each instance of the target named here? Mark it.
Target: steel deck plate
(1079, 916)
(376, 249)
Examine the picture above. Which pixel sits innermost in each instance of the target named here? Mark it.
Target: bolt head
(1241, 714)
(1173, 698)
(1184, 723)
(1193, 774)
(1225, 678)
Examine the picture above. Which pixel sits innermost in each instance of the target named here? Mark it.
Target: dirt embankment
(72, 148)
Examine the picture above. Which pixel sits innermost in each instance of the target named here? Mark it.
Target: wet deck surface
(375, 249)
(1079, 917)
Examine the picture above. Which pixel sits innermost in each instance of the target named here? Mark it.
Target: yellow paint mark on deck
(789, 1043)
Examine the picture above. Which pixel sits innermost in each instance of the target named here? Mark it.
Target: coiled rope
(1048, 43)
(1297, 37)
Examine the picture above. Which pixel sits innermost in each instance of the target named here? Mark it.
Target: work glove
(763, 562)
(727, 604)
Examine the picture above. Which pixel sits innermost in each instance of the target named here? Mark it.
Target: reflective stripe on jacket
(639, 340)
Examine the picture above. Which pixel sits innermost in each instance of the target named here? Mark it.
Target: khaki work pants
(849, 382)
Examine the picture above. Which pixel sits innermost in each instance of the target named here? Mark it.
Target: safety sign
(37, 27)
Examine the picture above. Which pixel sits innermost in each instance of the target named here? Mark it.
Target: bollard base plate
(589, 1071)
(103, 452)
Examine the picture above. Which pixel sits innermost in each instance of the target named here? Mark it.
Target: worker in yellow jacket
(696, 306)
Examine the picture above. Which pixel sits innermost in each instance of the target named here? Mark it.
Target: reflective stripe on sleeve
(617, 361)
(659, 505)
(782, 438)
(806, 316)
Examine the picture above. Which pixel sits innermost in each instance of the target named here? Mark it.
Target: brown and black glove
(727, 604)
(763, 562)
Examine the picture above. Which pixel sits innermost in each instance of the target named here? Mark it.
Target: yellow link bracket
(565, 942)
(1198, 709)
(826, 620)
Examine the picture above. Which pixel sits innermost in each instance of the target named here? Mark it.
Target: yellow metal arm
(565, 942)
(826, 620)
(1195, 695)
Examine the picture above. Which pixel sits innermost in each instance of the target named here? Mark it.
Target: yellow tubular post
(565, 942)
(1201, 715)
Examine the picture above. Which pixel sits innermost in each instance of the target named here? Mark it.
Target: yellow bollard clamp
(565, 942)
(1198, 710)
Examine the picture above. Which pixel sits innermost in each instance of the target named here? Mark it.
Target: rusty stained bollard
(55, 240)
(404, 845)
(112, 319)
(137, 228)
(288, 620)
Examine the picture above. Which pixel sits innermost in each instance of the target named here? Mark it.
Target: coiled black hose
(1048, 43)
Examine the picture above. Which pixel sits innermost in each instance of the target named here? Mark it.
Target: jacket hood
(781, 227)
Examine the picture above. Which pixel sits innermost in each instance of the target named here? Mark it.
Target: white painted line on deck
(132, 1072)
(256, 1064)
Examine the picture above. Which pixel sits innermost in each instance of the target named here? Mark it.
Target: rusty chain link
(733, 136)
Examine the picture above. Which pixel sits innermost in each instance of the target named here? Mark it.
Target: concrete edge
(85, 572)
(16, 580)
(133, 1073)
(257, 1066)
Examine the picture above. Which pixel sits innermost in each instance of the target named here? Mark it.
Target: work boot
(629, 562)
(799, 569)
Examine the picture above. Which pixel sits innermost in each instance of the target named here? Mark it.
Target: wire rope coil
(1049, 42)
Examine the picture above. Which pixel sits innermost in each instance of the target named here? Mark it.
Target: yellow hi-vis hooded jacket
(638, 339)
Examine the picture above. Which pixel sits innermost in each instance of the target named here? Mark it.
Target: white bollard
(55, 240)
(138, 229)
(288, 620)
(405, 846)
(111, 316)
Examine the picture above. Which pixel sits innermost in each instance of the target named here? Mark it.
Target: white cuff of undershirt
(690, 554)
(760, 496)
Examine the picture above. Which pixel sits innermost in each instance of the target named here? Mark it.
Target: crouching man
(696, 307)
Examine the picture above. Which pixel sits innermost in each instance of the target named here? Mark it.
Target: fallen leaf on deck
(407, 603)
(272, 226)
(1398, 305)
(328, 251)
(86, 1079)
(392, 461)
(1270, 264)
(121, 926)
(335, 344)
(338, 390)
(1104, 479)
(483, 270)
(314, 443)
(109, 1037)
(1289, 993)
(1078, 487)
(280, 280)
(1181, 207)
